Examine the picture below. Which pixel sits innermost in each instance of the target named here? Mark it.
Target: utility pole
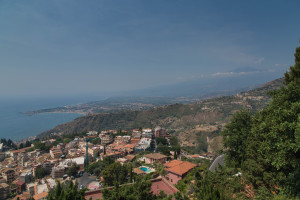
(86, 153)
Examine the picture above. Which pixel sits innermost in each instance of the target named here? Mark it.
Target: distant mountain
(190, 122)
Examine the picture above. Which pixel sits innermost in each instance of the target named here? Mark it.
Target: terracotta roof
(40, 195)
(164, 185)
(179, 167)
(173, 163)
(155, 156)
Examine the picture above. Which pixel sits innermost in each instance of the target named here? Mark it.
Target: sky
(77, 47)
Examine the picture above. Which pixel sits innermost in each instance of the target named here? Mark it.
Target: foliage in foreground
(266, 145)
(68, 191)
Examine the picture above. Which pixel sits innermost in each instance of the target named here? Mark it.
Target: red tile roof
(155, 156)
(179, 167)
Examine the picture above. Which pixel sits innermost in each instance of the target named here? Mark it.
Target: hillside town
(31, 172)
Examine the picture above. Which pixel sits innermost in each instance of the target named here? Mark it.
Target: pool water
(145, 169)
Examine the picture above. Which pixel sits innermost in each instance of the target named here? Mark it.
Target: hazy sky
(58, 47)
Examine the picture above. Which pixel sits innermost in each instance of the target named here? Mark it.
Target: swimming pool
(146, 169)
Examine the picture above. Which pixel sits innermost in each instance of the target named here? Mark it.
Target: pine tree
(294, 73)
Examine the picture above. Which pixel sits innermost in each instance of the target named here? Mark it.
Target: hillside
(192, 122)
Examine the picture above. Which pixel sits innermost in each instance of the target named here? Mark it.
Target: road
(218, 161)
(85, 179)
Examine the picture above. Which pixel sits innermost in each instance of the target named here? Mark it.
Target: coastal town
(33, 169)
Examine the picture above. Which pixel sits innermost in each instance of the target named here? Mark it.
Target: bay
(15, 125)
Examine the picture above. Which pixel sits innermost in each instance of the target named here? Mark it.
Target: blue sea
(16, 126)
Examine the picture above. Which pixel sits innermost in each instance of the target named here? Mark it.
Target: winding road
(218, 161)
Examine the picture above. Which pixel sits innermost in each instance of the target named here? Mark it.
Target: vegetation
(40, 173)
(266, 146)
(41, 146)
(8, 143)
(115, 173)
(72, 171)
(67, 191)
(177, 118)
(139, 190)
(97, 167)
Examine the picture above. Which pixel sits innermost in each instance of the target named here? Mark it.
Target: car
(81, 187)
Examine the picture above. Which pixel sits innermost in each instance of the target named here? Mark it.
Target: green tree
(40, 173)
(115, 173)
(163, 149)
(141, 189)
(27, 144)
(67, 140)
(72, 171)
(206, 189)
(68, 191)
(236, 136)
(108, 160)
(266, 146)
(21, 146)
(294, 73)
(161, 140)
(96, 141)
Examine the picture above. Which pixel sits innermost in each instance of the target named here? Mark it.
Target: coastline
(30, 113)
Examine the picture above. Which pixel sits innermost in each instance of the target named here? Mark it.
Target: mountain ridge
(190, 122)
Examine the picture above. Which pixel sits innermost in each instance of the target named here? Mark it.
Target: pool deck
(149, 169)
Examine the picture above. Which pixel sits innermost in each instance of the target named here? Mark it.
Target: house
(55, 153)
(48, 166)
(158, 184)
(106, 137)
(161, 184)
(58, 172)
(26, 177)
(8, 174)
(177, 170)
(92, 133)
(155, 157)
(159, 132)
(20, 186)
(123, 139)
(30, 188)
(94, 151)
(144, 144)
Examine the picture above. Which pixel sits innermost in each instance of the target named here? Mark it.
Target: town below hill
(94, 161)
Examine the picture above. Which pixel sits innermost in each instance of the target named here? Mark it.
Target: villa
(177, 170)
